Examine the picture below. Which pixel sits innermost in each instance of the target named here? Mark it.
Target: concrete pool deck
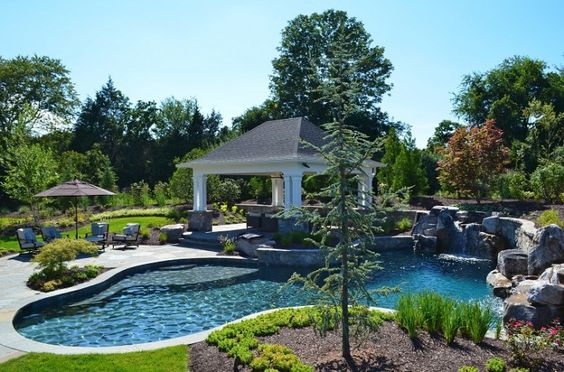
(14, 294)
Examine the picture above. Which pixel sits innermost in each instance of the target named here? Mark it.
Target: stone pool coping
(12, 339)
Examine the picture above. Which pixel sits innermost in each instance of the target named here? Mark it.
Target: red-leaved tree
(472, 159)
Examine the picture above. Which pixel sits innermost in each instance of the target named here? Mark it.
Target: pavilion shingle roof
(273, 139)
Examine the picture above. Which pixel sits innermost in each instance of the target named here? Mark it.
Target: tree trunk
(346, 347)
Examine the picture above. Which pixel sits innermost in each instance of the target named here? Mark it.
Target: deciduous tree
(471, 160)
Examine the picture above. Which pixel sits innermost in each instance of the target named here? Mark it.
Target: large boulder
(553, 275)
(448, 234)
(544, 293)
(490, 225)
(516, 307)
(480, 244)
(501, 285)
(512, 262)
(172, 232)
(547, 249)
(425, 243)
(425, 225)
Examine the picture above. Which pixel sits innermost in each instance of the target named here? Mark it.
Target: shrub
(163, 238)
(526, 344)
(468, 369)
(476, 320)
(53, 256)
(160, 190)
(547, 181)
(131, 212)
(550, 217)
(227, 191)
(279, 358)
(512, 185)
(141, 193)
(495, 365)
(228, 244)
(404, 224)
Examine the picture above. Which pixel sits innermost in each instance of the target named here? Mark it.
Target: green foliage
(403, 165)
(239, 339)
(527, 344)
(547, 182)
(53, 256)
(320, 36)
(40, 84)
(163, 238)
(260, 188)
(161, 193)
(496, 365)
(181, 184)
(131, 212)
(468, 369)
(47, 281)
(228, 244)
(278, 358)
(549, 217)
(408, 315)
(476, 320)
(444, 130)
(404, 224)
(30, 170)
(504, 94)
(227, 191)
(296, 239)
(141, 193)
(438, 314)
(170, 359)
(512, 185)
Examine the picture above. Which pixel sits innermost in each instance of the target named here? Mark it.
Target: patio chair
(27, 240)
(129, 238)
(51, 233)
(99, 233)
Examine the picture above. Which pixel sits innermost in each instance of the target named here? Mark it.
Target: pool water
(177, 301)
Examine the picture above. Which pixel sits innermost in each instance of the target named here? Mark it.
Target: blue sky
(220, 52)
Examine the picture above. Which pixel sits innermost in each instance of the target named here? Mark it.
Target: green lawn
(168, 359)
(116, 225)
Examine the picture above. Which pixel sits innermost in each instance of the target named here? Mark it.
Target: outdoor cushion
(29, 236)
(99, 229)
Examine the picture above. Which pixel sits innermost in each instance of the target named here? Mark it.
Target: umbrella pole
(76, 219)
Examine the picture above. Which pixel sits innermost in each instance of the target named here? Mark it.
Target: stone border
(11, 338)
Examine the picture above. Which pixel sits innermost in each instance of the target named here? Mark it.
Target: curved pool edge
(11, 338)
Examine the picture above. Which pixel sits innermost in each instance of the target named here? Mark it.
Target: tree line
(48, 135)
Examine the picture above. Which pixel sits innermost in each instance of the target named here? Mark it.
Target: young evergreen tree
(347, 231)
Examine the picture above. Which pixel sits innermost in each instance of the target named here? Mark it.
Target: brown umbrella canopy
(75, 189)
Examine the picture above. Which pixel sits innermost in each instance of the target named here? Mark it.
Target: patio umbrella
(75, 189)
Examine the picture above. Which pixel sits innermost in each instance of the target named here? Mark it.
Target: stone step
(199, 243)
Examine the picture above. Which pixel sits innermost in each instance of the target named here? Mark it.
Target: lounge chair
(130, 236)
(99, 233)
(27, 240)
(50, 233)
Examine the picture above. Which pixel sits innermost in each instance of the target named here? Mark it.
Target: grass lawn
(116, 225)
(168, 359)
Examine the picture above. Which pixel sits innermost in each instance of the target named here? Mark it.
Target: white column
(199, 185)
(204, 200)
(297, 191)
(287, 192)
(277, 191)
(365, 188)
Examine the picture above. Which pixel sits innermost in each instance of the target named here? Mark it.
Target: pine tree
(347, 232)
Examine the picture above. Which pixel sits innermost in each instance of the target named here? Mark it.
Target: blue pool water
(177, 301)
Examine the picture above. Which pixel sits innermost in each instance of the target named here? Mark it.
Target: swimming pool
(176, 301)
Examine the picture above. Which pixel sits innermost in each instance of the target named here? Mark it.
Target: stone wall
(290, 257)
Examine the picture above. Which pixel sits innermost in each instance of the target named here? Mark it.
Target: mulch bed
(390, 349)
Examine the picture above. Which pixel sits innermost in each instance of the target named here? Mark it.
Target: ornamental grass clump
(432, 306)
(409, 316)
(451, 321)
(476, 320)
